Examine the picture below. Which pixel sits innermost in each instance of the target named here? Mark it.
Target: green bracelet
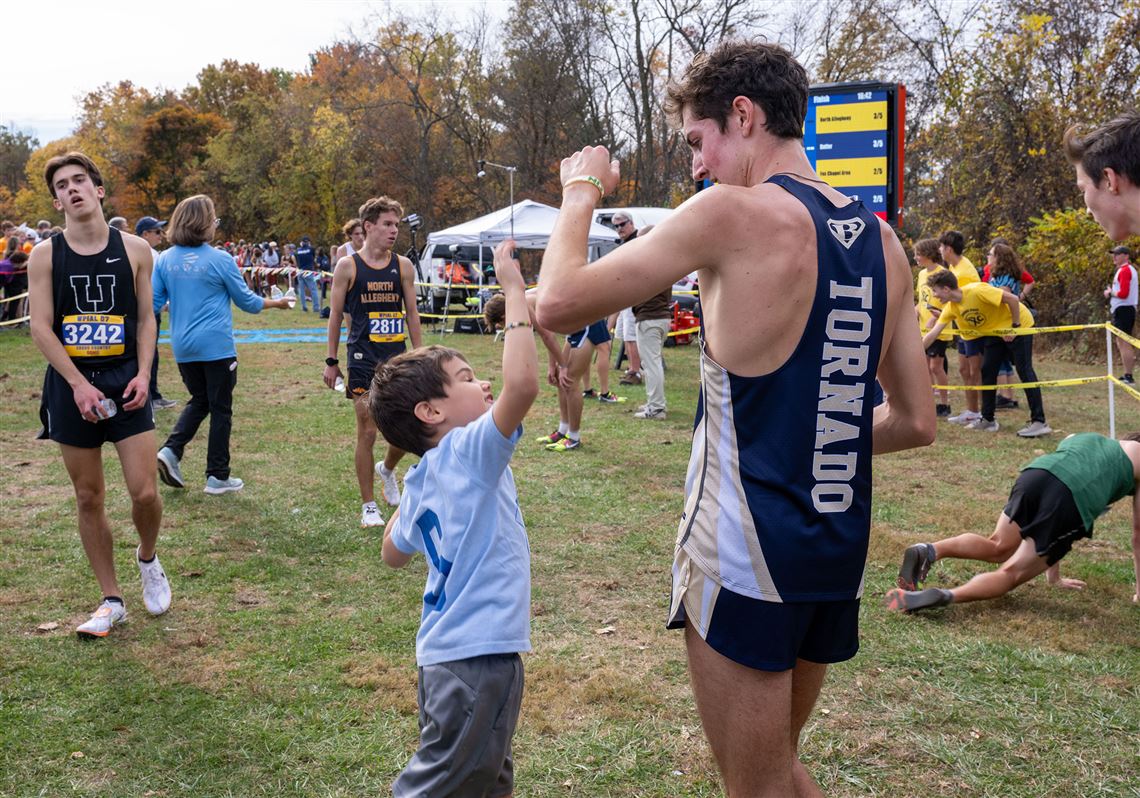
(593, 181)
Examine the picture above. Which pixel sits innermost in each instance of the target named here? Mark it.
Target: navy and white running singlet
(778, 491)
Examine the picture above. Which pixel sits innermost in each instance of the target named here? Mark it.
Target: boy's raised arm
(520, 357)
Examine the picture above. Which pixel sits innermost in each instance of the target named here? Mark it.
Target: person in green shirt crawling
(1054, 502)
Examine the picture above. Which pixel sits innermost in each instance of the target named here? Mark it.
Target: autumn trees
(408, 109)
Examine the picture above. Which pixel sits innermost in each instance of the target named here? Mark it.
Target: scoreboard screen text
(853, 139)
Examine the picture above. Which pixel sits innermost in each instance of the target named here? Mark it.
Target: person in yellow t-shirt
(984, 308)
(927, 305)
(950, 246)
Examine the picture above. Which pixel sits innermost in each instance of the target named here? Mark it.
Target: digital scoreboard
(853, 136)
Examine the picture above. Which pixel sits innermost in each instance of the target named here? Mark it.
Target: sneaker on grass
(388, 486)
(564, 445)
(553, 437)
(982, 425)
(370, 516)
(916, 563)
(170, 468)
(216, 487)
(1035, 429)
(155, 586)
(965, 417)
(589, 394)
(914, 600)
(652, 414)
(611, 398)
(109, 615)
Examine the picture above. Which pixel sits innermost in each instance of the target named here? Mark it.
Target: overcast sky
(79, 45)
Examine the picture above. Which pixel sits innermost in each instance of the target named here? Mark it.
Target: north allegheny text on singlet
(379, 291)
(842, 389)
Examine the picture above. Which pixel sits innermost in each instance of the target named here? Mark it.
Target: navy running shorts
(764, 635)
(969, 347)
(597, 334)
(1043, 507)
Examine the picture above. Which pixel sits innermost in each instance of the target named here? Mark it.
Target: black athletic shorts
(1043, 507)
(64, 423)
(1124, 318)
(362, 363)
(937, 349)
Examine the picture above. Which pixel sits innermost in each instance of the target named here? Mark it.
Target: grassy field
(286, 664)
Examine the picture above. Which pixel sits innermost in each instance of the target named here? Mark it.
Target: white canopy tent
(530, 222)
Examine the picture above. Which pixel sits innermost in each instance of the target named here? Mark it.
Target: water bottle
(105, 409)
(339, 384)
(291, 297)
(275, 293)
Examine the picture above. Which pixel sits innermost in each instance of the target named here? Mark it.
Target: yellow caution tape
(1122, 335)
(1135, 393)
(1038, 384)
(1028, 331)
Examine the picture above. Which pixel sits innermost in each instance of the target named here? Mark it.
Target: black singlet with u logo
(96, 310)
(375, 302)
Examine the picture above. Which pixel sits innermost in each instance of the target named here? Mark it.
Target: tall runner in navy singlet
(87, 286)
(376, 289)
(806, 299)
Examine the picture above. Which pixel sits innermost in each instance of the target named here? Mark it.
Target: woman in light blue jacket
(200, 282)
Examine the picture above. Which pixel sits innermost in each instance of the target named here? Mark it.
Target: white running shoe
(371, 516)
(109, 615)
(216, 487)
(1035, 429)
(388, 485)
(965, 417)
(156, 587)
(981, 425)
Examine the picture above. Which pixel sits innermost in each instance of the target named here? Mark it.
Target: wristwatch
(331, 361)
(1016, 324)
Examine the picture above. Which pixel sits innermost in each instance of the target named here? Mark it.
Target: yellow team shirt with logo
(923, 297)
(982, 310)
(966, 272)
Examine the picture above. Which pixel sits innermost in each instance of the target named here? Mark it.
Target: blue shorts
(764, 635)
(969, 347)
(597, 334)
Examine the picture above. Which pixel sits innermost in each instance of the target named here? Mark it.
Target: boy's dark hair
(349, 226)
(1132, 436)
(370, 211)
(765, 73)
(495, 312)
(18, 257)
(928, 248)
(943, 277)
(953, 239)
(1114, 145)
(402, 383)
(72, 158)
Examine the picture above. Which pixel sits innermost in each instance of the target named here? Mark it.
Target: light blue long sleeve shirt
(200, 282)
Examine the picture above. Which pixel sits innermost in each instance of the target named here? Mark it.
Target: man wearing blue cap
(149, 230)
(306, 275)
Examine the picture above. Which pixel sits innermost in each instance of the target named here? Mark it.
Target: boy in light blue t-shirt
(460, 510)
